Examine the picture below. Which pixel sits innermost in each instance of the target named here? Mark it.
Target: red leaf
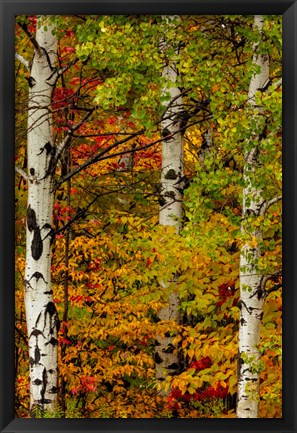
(68, 49)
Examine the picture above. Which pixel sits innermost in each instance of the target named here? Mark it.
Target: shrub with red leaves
(201, 364)
(176, 397)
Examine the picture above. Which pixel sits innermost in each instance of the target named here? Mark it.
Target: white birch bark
(251, 291)
(41, 314)
(171, 205)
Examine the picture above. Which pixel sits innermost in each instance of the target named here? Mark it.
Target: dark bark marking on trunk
(250, 212)
(48, 148)
(51, 232)
(159, 189)
(36, 245)
(171, 174)
(173, 366)
(158, 359)
(50, 151)
(32, 171)
(31, 81)
(52, 162)
(53, 390)
(259, 292)
(31, 219)
(182, 184)
(170, 194)
(49, 292)
(169, 349)
(181, 119)
(50, 309)
(46, 226)
(37, 320)
(27, 285)
(259, 316)
(161, 201)
(240, 361)
(166, 134)
(45, 53)
(241, 304)
(43, 389)
(52, 341)
(36, 333)
(37, 382)
(52, 315)
(37, 357)
(38, 275)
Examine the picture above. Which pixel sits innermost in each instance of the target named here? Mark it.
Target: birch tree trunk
(41, 313)
(252, 293)
(170, 214)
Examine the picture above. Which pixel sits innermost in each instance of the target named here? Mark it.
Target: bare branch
(62, 70)
(81, 213)
(21, 335)
(273, 289)
(100, 156)
(21, 172)
(266, 205)
(105, 134)
(63, 146)
(265, 279)
(278, 83)
(24, 61)
(31, 37)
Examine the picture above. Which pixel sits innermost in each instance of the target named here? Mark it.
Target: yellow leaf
(191, 353)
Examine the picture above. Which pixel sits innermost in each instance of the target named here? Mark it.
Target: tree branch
(62, 70)
(266, 205)
(272, 289)
(63, 146)
(81, 213)
(100, 157)
(278, 83)
(31, 37)
(21, 335)
(24, 61)
(264, 281)
(21, 172)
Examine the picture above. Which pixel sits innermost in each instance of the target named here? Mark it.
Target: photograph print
(148, 217)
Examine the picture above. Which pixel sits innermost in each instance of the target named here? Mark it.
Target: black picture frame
(11, 8)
